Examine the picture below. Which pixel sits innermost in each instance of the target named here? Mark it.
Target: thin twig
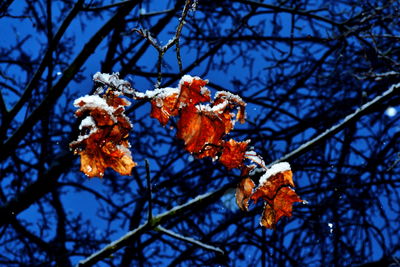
(174, 41)
(178, 33)
(290, 10)
(149, 196)
(189, 240)
(178, 56)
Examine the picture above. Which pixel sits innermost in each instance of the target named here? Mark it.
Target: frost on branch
(104, 130)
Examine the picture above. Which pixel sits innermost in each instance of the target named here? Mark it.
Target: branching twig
(156, 221)
(189, 240)
(174, 41)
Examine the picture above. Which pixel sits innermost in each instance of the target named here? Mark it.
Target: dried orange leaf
(192, 91)
(164, 107)
(282, 205)
(275, 190)
(268, 189)
(202, 123)
(201, 132)
(233, 154)
(243, 193)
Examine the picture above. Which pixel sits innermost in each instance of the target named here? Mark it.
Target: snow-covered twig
(189, 240)
(393, 90)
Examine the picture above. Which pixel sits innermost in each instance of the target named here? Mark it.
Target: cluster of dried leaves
(202, 124)
(103, 141)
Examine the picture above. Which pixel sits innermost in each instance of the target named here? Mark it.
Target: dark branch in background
(37, 189)
(43, 185)
(106, 7)
(10, 144)
(149, 196)
(298, 80)
(45, 62)
(305, 13)
(4, 6)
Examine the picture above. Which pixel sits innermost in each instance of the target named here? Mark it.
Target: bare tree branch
(189, 240)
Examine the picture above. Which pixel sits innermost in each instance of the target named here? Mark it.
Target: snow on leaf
(275, 169)
(270, 187)
(232, 100)
(164, 107)
(202, 123)
(274, 189)
(243, 193)
(106, 144)
(192, 91)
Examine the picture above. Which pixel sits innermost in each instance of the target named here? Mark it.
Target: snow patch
(161, 92)
(204, 91)
(87, 122)
(391, 112)
(230, 96)
(93, 102)
(114, 81)
(215, 109)
(275, 169)
(189, 79)
(253, 156)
